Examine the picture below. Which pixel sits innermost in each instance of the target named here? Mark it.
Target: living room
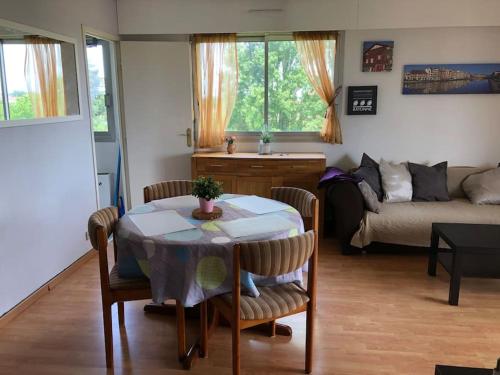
(142, 118)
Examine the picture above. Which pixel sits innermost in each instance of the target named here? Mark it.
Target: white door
(157, 99)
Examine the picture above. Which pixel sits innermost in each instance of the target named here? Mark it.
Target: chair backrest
(167, 189)
(101, 225)
(277, 257)
(300, 199)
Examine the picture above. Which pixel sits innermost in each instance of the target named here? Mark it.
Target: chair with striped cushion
(113, 288)
(300, 199)
(270, 258)
(167, 189)
(162, 190)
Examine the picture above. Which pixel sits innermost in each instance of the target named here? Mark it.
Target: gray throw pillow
(483, 188)
(370, 197)
(369, 171)
(429, 183)
(396, 182)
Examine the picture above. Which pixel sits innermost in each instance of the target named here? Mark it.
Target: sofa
(406, 224)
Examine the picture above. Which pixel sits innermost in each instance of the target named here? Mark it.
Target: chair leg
(235, 326)
(204, 329)
(108, 333)
(181, 330)
(272, 328)
(121, 314)
(309, 337)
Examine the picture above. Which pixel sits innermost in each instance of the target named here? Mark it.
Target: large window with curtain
(38, 78)
(286, 84)
(274, 92)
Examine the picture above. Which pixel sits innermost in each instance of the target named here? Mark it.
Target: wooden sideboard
(251, 173)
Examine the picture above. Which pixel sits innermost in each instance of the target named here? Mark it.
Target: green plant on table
(207, 188)
(265, 137)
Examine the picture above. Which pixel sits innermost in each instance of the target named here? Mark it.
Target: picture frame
(378, 56)
(424, 79)
(362, 100)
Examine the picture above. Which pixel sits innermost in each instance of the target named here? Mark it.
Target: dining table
(190, 260)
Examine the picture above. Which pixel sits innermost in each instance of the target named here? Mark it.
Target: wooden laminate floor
(377, 314)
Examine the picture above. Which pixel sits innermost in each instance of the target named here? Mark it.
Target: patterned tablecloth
(196, 264)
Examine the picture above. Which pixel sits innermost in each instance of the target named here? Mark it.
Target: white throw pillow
(483, 188)
(396, 182)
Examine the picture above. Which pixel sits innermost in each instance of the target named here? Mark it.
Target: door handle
(187, 134)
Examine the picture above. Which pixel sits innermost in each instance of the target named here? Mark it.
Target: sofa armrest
(347, 210)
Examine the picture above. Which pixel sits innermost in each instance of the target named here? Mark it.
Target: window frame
(110, 135)
(8, 123)
(292, 136)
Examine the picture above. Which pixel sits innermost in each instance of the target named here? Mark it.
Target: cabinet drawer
(305, 166)
(261, 167)
(215, 165)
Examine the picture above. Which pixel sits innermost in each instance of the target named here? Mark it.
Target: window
(100, 88)
(37, 77)
(274, 93)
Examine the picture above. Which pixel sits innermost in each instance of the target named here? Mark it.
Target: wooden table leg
(203, 329)
(200, 346)
(181, 331)
(456, 275)
(433, 254)
(160, 308)
(279, 329)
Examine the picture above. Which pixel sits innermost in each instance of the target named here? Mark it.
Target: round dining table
(194, 265)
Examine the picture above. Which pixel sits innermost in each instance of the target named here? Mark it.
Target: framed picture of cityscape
(451, 79)
(377, 56)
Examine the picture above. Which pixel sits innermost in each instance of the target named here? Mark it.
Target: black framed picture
(362, 100)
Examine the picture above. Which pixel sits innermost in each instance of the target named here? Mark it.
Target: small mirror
(38, 76)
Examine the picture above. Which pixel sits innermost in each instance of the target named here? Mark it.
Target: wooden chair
(302, 200)
(308, 206)
(270, 258)
(113, 289)
(162, 190)
(167, 189)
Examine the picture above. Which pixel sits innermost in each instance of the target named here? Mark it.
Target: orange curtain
(317, 56)
(45, 83)
(216, 79)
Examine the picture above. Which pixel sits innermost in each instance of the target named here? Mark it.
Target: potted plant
(231, 146)
(265, 143)
(206, 189)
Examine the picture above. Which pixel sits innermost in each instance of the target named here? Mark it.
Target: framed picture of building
(451, 79)
(362, 100)
(377, 56)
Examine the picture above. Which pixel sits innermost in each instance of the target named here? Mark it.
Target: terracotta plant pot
(206, 206)
(231, 148)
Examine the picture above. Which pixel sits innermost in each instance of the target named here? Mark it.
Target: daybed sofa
(407, 223)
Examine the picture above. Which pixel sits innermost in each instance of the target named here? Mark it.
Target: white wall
(47, 188)
(463, 129)
(202, 16)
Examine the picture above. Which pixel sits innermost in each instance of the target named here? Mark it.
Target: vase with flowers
(207, 190)
(231, 146)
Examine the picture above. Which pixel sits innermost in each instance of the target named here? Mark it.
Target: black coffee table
(480, 243)
(452, 370)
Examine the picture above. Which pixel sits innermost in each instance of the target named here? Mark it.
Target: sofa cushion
(396, 182)
(456, 176)
(369, 171)
(410, 223)
(370, 197)
(429, 183)
(483, 188)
